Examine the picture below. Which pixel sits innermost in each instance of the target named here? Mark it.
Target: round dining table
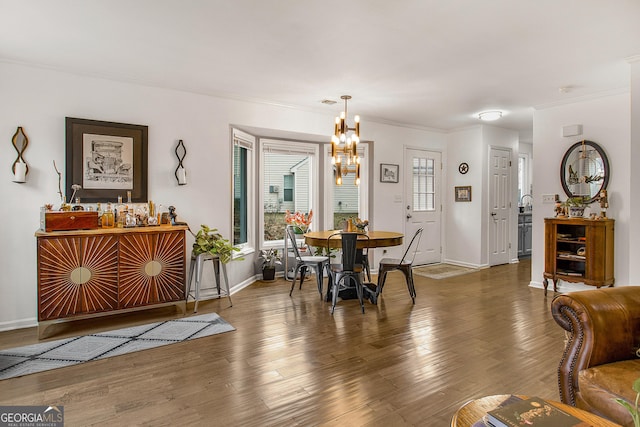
(377, 239)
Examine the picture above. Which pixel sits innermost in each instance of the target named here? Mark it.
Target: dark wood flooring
(290, 363)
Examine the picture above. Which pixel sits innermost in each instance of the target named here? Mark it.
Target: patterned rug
(442, 271)
(15, 362)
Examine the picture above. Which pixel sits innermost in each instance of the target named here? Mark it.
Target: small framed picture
(463, 194)
(388, 172)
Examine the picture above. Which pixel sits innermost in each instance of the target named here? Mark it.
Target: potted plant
(633, 409)
(209, 240)
(576, 206)
(270, 258)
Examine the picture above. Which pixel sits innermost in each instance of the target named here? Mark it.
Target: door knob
(493, 214)
(409, 216)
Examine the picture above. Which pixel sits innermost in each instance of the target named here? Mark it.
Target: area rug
(442, 271)
(15, 362)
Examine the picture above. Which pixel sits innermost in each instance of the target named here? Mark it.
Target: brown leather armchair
(600, 359)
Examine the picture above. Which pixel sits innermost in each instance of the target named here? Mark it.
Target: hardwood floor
(291, 363)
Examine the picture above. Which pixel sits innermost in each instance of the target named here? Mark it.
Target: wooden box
(74, 220)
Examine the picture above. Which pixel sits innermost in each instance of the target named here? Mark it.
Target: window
(423, 175)
(288, 188)
(242, 188)
(349, 200)
(290, 167)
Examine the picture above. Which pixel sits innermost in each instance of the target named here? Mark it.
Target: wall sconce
(181, 173)
(19, 167)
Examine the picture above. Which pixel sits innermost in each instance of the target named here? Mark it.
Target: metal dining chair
(404, 264)
(349, 271)
(317, 263)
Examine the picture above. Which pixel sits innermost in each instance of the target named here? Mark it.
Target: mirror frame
(570, 154)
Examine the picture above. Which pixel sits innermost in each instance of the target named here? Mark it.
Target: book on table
(532, 412)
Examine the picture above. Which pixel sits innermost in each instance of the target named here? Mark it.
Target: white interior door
(499, 205)
(423, 171)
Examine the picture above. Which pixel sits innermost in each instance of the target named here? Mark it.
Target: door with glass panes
(422, 202)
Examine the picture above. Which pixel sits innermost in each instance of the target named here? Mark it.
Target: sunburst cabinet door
(151, 268)
(77, 275)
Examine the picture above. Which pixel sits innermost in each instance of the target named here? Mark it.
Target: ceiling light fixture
(489, 116)
(345, 144)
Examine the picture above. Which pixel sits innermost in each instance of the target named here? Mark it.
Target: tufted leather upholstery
(599, 362)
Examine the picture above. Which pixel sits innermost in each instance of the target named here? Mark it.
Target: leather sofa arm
(603, 327)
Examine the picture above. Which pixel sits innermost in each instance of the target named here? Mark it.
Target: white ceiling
(425, 63)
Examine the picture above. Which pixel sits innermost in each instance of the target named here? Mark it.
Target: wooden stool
(197, 261)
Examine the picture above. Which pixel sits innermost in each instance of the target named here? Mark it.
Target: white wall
(466, 228)
(634, 173)
(40, 99)
(606, 120)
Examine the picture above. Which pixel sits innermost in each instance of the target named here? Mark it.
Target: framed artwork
(463, 194)
(388, 172)
(106, 159)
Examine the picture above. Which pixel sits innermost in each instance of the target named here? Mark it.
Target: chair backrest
(291, 235)
(413, 245)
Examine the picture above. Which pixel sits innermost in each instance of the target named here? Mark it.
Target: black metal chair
(404, 264)
(349, 271)
(317, 263)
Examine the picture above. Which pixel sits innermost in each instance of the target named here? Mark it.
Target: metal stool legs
(195, 267)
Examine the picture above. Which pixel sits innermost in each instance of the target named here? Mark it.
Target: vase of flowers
(298, 220)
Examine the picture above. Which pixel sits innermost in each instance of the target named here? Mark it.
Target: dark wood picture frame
(463, 193)
(105, 173)
(389, 172)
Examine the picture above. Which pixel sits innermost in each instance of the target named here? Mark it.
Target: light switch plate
(548, 198)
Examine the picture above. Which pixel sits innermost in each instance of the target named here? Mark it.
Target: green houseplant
(209, 240)
(270, 258)
(633, 409)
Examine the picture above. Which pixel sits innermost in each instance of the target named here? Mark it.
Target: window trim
(247, 142)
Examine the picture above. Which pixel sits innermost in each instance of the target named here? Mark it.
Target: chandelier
(344, 151)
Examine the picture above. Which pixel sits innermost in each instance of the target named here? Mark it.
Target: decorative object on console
(388, 172)
(181, 173)
(20, 168)
(107, 159)
(343, 143)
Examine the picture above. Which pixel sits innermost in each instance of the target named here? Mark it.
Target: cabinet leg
(546, 284)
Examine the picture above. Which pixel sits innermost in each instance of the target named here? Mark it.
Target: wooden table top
(474, 410)
(377, 239)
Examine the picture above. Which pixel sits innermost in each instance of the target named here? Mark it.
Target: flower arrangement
(299, 220)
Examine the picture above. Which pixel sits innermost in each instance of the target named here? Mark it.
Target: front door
(423, 170)
(499, 205)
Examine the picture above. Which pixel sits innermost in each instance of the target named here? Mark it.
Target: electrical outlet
(548, 198)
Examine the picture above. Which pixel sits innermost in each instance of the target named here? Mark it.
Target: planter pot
(576, 211)
(269, 274)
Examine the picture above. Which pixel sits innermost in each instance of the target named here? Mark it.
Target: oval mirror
(584, 171)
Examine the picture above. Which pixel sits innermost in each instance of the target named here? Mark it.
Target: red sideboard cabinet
(578, 250)
(87, 273)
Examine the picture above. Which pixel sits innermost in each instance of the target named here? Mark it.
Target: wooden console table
(578, 250)
(87, 273)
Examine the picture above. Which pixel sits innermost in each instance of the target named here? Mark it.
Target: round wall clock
(463, 168)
